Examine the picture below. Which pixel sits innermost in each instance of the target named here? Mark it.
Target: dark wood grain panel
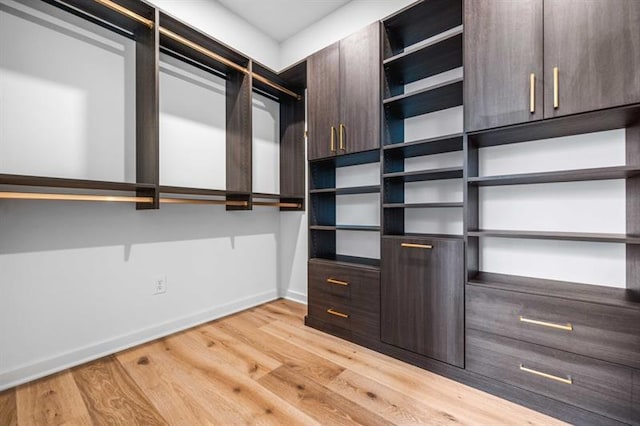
(635, 399)
(360, 92)
(292, 147)
(596, 47)
(422, 297)
(323, 100)
(112, 397)
(596, 385)
(147, 112)
(599, 331)
(239, 132)
(503, 47)
(632, 145)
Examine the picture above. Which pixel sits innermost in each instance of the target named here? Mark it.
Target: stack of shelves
(423, 89)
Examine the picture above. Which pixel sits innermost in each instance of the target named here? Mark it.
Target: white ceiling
(281, 19)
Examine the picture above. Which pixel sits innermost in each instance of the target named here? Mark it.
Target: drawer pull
(336, 313)
(337, 282)
(566, 327)
(418, 246)
(568, 380)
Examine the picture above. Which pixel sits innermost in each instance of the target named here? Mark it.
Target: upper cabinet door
(595, 46)
(503, 49)
(323, 71)
(360, 94)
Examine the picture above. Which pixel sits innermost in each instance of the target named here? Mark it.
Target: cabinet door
(595, 45)
(360, 94)
(422, 305)
(503, 48)
(323, 69)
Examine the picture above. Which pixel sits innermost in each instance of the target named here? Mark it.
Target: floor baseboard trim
(294, 296)
(46, 367)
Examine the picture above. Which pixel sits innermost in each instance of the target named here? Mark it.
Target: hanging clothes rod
(203, 201)
(126, 12)
(74, 197)
(273, 204)
(168, 33)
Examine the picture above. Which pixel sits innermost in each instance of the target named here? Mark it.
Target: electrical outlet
(160, 284)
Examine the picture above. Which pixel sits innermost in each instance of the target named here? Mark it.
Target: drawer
(588, 383)
(604, 332)
(359, 286)
(340, 313)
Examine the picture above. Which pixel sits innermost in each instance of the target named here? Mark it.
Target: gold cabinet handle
(418, 246)
(556, 94)
(337, 314)
(342, 129)
(337, 282)
(532, 93)
(333, 139)
(566, 327)
(566, 380)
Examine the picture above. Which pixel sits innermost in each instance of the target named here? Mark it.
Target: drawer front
(604, 332)
(588, 383)
(333, 310)
(361, 287)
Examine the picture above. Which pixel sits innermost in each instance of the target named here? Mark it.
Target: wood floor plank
(8, 409)
(54, 400)
(314, 399)
(462, 402)
(278, 311)
(236, 354)
(112, 397)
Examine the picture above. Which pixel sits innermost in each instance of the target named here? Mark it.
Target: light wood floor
(261, 366)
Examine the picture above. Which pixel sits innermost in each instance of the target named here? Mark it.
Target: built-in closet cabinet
(535, 59)
(343, 85)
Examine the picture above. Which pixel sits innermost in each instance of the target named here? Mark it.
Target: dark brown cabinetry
(344, 95)
(422, 288)
(535, 59)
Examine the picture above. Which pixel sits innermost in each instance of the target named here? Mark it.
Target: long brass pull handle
(333, 139)
(342, 145)
(566, 327)
(532, 93)
(556, 94)
(566, 380)
(337, 282)
(336, 313)
(418, 246)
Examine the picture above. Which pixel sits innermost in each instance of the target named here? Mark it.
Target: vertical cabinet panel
(323, 73)
(596, 47)
(422, 292)
(503, 47)
(360, 90)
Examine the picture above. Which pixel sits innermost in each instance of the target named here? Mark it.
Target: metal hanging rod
(74, 197)
(126, 12)
(273, 204)
(168, 33)
(203, 201)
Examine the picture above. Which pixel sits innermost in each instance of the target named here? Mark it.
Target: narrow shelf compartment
(345, 228)
(438, 145)
(347, 191)
(422, 205)
(601, 173)
(425, 175)
(441, 53)
(351, 261)
(63, 183)
(434, 98)
(562, 289)
(558, 236)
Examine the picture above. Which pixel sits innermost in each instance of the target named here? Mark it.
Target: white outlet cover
(160, 284)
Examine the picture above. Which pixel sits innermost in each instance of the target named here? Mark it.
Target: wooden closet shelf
(426, 175)
(64, 183)
(558, 236)
(422, 205)
(431, 99)
(437, 145)
(344, 228)
(601, 173)
(369, 189)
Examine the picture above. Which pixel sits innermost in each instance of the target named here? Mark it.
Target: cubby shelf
(562, 289)
(425, 175)
(437, 145)
(422, 205)
(440, 53)
(344, 228)
(559, 236)
(600, 173)
(369, 189)
(423, 235)
(354, 261)
(431, 99)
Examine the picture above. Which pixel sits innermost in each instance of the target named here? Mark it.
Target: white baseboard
(294, 296)
(42, 368)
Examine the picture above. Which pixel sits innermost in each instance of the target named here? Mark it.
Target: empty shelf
(559, 236)
(425, 175)
(438, 145)
(434, 98)
(601, 173)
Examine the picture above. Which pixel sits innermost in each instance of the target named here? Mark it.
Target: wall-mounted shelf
(431, 99)
(600, 173)
(422, 205)
(345, 228)
(368, 189)
(353, 261)
(437, 145)
(558, 236)
(426, 175)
